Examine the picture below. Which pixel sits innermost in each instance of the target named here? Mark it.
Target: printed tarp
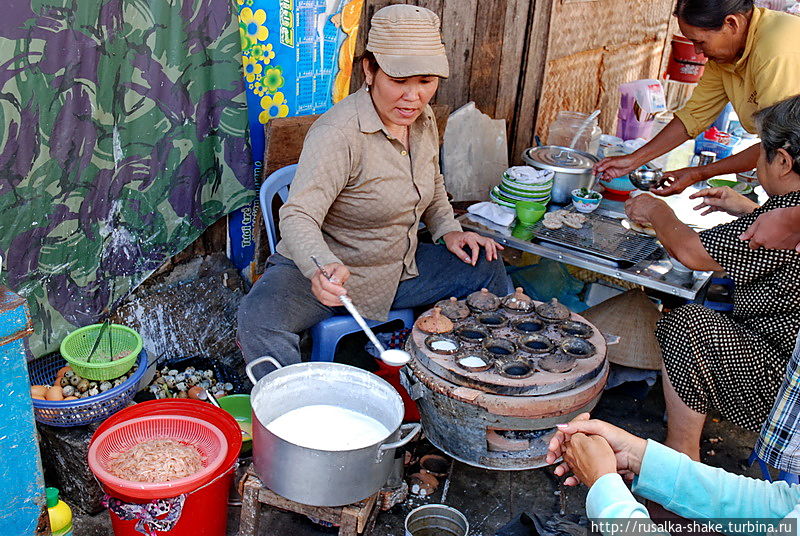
(123, 135)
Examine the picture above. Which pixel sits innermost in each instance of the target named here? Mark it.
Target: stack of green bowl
(512, 189)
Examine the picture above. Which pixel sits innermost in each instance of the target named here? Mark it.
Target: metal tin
(573, 169)
(436, 520)
(559, 159)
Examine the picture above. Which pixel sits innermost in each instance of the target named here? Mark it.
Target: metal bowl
(644, 179)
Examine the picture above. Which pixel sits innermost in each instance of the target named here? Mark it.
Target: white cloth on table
(494, 213)
(529, 175)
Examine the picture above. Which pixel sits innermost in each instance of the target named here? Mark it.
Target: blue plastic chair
(326, 334)
(789, 478)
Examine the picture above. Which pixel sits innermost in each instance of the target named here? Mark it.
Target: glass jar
(566, 125)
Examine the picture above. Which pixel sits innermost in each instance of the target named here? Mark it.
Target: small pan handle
(258, 361)
(412, 429)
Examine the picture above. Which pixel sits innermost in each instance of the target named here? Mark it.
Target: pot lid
(553, 310)
(518, 301)
(435, 322)
(559, 159)
(483, 301)
(453, 309)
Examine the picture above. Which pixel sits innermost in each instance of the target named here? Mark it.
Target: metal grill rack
(601, 236)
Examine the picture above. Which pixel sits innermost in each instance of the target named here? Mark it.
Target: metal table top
(655, 272)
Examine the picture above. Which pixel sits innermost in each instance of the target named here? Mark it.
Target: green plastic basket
(76, 346)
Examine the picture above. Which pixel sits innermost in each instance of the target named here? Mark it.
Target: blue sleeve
(697, 491)
(610, 505)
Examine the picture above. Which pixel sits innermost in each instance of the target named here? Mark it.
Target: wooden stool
(353, 519)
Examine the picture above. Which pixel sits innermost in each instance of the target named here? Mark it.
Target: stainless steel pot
(321, 477)
(573, 169)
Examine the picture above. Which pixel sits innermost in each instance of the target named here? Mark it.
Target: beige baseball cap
(406, 42)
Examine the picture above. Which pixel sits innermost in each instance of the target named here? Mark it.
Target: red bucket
(205, 511)
(392, 375)
(685, 64)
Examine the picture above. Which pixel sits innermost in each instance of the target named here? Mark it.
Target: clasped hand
(592, 448)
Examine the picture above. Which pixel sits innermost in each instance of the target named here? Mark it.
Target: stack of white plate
(522, 183)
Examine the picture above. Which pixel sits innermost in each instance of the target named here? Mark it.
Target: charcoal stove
(493, 401)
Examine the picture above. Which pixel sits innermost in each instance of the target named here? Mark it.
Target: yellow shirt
(358, 197)
(768, 72)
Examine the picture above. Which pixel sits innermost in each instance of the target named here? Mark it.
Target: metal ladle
(392, 357)
(647, 178)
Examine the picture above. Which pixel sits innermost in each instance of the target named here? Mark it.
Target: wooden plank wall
(524, 60)
(496, 50)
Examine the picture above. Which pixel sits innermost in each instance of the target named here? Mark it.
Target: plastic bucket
(392, 376)
(205, 510)
(685, 65)
(436, 520)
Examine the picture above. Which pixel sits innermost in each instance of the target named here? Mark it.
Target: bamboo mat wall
(524, 60)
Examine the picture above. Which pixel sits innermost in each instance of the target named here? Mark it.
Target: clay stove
(491, 390)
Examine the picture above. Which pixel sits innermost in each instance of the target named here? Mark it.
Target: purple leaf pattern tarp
(123, 135)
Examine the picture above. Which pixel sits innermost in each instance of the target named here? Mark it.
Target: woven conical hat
(632, 317)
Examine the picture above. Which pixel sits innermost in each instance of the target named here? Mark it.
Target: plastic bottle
(60, 514)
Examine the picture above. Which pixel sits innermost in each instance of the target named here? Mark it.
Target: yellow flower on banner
(240, 2)
(254, 24)
(273, 106)
(251, 67)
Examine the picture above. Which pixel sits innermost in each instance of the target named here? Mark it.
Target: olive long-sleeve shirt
(358, 197)
(768, 72)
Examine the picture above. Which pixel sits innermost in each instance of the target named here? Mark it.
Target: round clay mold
(535, 344)
(493, 320)
(528, 325)
(577, 348)
(499, 348)
(442, 345)
(572, 328)
(470, 360)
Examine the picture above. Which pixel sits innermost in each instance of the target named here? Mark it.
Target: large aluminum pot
(573, 169)
(322, 477)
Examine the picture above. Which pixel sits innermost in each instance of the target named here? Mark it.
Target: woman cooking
(368, 174)
(754, 62)
(734, 364)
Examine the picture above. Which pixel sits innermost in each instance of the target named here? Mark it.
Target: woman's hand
(589, 457)
(775, 229)
(616, 166)
(723, 200)
(328, 292)
(628, 449)
(457, 240)
(674, 182)
(640, 208)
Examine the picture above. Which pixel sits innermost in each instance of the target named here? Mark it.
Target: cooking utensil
(646, 178)
(103, 329)
(583, 127)
(324, 477)
(393, 357)
(572, 169)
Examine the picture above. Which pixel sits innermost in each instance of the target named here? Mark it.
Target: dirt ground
(490, 499)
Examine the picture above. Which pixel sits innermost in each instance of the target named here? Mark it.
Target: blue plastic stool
(789, 478)
(326, 334)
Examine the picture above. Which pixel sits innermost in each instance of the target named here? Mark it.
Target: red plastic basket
(207, 438)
